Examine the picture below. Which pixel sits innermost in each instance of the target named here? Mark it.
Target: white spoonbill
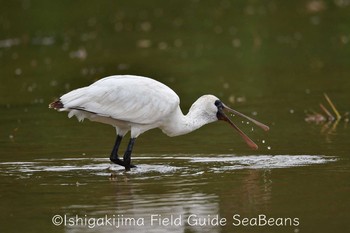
(137, 104)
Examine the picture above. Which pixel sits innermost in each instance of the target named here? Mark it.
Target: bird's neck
(180, 124)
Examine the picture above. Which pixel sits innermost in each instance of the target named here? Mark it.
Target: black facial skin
(218, 103)
(220, 114)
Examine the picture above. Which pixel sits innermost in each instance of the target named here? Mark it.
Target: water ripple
(151, 164)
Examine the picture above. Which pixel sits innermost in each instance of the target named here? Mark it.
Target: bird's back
(126, 98)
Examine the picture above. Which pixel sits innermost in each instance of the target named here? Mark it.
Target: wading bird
(137, 104)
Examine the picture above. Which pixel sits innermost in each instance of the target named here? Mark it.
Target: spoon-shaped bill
(251, 144)
(261, 125)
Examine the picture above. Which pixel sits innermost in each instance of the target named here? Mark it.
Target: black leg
(114, 155)
(127, 155)
(127, 159)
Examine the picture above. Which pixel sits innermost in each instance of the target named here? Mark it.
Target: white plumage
(137, 104)
(126, 102)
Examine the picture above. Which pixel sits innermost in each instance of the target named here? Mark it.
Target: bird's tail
(56, 105)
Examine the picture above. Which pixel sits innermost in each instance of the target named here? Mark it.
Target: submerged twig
(330, 116)
(326, 117)
(332, 106)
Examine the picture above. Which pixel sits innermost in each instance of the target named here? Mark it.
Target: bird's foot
(121, 163)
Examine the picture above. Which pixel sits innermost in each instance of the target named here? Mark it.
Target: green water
(271, 60)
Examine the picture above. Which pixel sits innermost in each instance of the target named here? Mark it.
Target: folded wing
(128, 98)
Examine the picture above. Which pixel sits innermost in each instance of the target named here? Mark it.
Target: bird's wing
(127, 98)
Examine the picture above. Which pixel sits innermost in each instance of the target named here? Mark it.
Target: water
(184, 186)
(269, 60)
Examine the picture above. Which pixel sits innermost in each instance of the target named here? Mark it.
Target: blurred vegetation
(267, 57)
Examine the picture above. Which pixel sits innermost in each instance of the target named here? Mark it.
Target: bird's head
(214, 110)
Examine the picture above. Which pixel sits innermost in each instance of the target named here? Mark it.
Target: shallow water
(184, 187)
(205, 163)
(272, 61)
